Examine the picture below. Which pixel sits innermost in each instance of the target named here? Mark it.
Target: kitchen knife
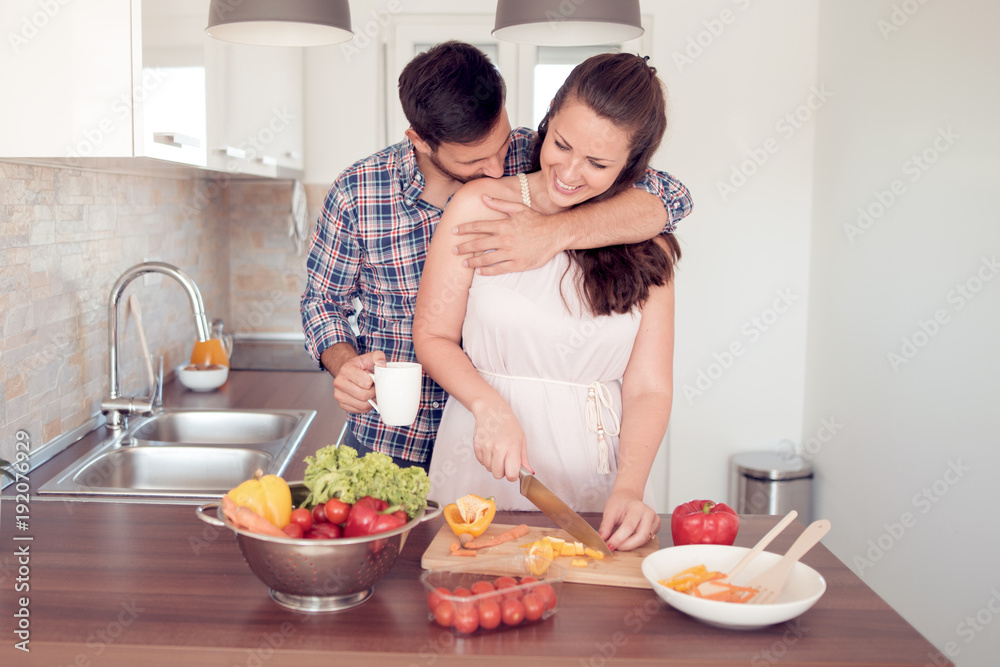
(554, 508)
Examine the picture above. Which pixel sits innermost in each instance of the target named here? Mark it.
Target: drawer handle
(175, 139)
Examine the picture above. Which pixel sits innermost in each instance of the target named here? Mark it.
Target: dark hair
(624, 89)
(451, 93)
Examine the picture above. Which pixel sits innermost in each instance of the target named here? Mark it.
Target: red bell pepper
(704, 522)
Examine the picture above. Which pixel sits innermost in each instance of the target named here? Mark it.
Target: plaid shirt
(370, 244)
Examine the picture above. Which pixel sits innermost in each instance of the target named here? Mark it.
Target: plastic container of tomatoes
(493, 594)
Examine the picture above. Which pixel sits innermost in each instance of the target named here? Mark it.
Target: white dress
(559, 368)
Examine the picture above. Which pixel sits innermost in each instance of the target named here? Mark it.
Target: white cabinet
(67, 79)
(141, 79)
(256, 110)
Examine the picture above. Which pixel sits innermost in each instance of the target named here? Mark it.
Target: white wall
(734, 69)
(925, 423)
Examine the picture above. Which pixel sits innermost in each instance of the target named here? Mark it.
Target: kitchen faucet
(117, 407)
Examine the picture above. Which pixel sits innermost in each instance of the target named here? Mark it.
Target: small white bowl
(804, 587)
(202, 379)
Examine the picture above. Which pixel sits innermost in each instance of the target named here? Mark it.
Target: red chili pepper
(704, 522)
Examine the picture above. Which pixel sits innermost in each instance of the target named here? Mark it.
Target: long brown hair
(624, 89)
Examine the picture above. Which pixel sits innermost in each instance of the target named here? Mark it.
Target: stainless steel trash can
(772, 483)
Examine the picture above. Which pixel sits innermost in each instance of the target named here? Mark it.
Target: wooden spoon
(133, 305)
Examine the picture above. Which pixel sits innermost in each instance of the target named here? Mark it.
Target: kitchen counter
(149, 584)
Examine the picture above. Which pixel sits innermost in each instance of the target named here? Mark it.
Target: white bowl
(202, 380)
(804, 587)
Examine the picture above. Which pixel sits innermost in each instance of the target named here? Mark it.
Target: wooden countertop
(149, 584)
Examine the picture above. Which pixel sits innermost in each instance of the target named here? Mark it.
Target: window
(533, 74)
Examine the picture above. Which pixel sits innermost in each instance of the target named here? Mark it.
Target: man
(378, 218)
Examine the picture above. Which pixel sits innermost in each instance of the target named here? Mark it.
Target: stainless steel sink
(186, 454)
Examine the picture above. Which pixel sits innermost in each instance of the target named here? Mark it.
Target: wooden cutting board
(622, 569)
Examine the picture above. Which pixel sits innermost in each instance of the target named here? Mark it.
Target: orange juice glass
(211, 351)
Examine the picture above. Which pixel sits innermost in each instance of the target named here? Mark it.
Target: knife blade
(553, 507)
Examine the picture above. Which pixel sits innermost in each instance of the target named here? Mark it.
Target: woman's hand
(636, 522)
(499, 442)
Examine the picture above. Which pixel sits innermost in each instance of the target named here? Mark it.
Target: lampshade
(280, 22)
(567, 22)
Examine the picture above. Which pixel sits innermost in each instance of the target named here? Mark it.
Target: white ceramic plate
(805, 585)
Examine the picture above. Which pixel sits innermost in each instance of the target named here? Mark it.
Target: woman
(554, 355)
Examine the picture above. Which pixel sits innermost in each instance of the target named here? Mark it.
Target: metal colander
(319, 575)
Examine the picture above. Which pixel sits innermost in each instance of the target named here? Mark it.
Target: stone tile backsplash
(66, 235)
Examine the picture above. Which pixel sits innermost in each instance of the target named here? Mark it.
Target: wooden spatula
(771, 582)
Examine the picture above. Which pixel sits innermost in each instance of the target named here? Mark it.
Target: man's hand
(519, 242)
(352, 384)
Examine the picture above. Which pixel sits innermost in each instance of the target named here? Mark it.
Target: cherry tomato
(319, 513)
(512, 612)
(534, 606)
(336, 510)
(462, 592)
(547, 593)
(294, 530)
(528, 580)
(303, 518)
(435, 596)
(444, 613)
(481, 587)
(509, 587)
(467, 618)
(489, 613)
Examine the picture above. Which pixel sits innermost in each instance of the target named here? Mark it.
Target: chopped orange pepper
(470, 515)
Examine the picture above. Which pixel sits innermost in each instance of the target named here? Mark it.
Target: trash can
(772, 483)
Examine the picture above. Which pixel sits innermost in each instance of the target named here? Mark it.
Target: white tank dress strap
(599, 400)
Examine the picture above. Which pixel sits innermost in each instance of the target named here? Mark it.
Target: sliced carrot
(463, 552)
(512, 534)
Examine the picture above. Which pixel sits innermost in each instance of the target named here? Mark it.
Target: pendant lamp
(280, 22)
(567, 22)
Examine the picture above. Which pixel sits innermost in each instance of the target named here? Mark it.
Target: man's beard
(461, 179)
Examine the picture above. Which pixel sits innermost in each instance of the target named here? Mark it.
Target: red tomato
(435, 596)
(467, 618)
(481, 587)
(508, 586)
(319, 513)
(294, 530)
(512, 612)
(489, 613)
(327, 531)
(303, 518)
(444, 613)
(547, 594)
(528, 580)
(462, 592)
(336, 510)
(534, 606)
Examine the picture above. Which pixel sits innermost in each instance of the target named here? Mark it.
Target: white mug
(397, 388)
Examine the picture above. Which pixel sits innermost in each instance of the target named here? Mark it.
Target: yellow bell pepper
(268, 496)
(470, 515)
